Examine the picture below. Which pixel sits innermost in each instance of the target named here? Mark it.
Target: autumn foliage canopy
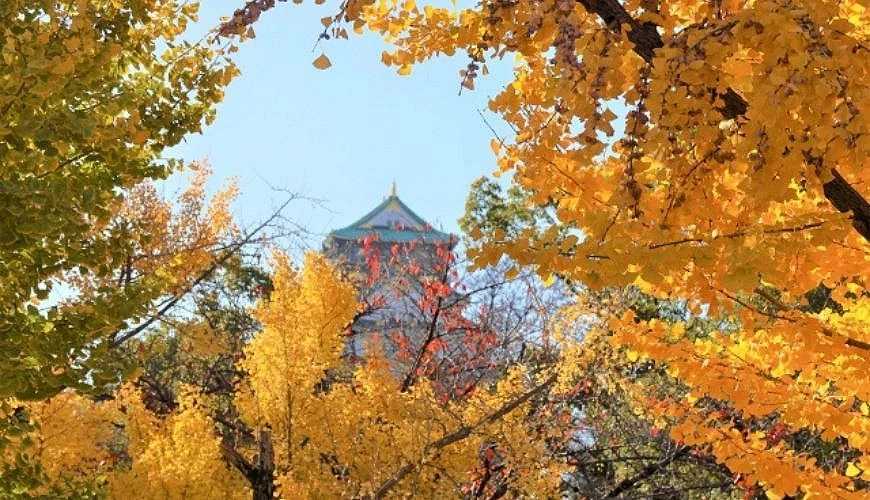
(690, 176)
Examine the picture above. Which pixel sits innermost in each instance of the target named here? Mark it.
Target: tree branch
(411, 377)
(645, 473)
(176, 298)
(646, 40)
(458, 435)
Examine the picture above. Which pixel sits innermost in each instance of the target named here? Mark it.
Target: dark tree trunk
(262, 480)
(259, 473)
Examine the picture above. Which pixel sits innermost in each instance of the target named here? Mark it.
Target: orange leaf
(322, 62)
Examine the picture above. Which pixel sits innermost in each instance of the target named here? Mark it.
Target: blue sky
(344, 134)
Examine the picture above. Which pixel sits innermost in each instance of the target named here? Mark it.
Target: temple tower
(388, 223)
(388, 253)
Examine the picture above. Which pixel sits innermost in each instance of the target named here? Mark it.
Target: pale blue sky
(342, 135)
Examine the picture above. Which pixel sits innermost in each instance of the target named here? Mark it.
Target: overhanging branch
(646, 39)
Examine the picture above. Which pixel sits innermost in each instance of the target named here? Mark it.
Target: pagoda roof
(392, 221)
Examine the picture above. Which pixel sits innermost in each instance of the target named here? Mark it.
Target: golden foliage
(176, 457)
(365, 426)
(74, 436)
(742, 125)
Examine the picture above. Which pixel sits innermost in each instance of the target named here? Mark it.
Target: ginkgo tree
(301, 420)
(176, 244)
(710, 155)
(710, 151)
(219, 412)
(92, 94)
(303, 415)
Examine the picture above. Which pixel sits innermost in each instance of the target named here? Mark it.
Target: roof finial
(393, 191)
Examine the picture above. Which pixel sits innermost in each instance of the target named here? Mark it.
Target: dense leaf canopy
(92, 93)
(693, 173)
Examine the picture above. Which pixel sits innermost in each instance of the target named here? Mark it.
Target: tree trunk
(262, 482)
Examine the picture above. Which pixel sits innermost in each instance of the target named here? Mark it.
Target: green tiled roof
(378, 221)
(350, 233)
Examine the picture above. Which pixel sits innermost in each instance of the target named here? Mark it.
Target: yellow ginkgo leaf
(551, 279)
(322, 62)
(852, 470)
